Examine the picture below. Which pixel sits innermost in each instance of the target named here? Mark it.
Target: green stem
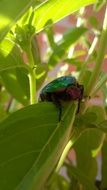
(64, 155)
(9, 104)
(74, 137)
(90, 52)
(78, 24)
(99, 84)
(100, 57)
(32, 77)
(35, 51)
(50, 36)
(32, 83)
(75, 134)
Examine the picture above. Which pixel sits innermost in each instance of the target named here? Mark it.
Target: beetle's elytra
(65, 88)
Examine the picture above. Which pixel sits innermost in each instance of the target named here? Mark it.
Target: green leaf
(101, 83)
(87, 147)
(94, 114)
(31, 142)
(74, 61)
(92, 118)
(4, 97)
(50, 36)
(94, 22)
(103, 126)
(13, 76)
(35, 51)
(104, 90)
(11, 12)
(71, 36)
(68, 39)
(85, 77)
(104, 166)
(17, 84)
(23, 35)
(46, 11)
(81, 177)
(99, 4)
(10, 56)
(57, 181)
(55, 10)
(41, 73)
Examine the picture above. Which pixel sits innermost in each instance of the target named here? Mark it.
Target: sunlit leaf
(11, 12)
(31, 142)
(10, 56)
(55, 10)
(12, 71)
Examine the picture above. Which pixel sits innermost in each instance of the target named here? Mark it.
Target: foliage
(34, 144)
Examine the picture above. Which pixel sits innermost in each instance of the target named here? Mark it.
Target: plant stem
(64, 155)
(35, 51)
(78, 24)
(100, 57)
(99, 84)
(74, 136)
(9, 105)
(90, 52)
(32, 77)
(32, 83)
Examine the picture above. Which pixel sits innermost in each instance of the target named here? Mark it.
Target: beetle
(65, 88)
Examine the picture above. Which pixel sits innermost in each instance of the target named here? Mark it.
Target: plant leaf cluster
(32, 140)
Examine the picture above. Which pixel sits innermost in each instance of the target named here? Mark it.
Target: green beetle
(65, 88)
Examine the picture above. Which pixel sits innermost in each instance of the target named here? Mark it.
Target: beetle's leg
(42, 97)
(57, 102)
(45, 97)
(81, 87)
(78, 108)
(59, 106)
(60, 112)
